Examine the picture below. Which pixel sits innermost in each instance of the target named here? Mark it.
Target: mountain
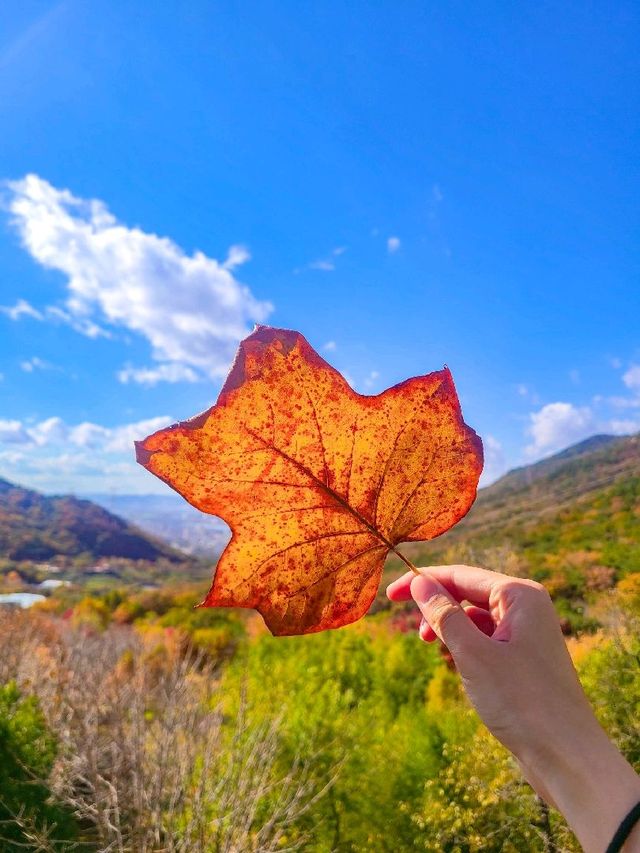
(36, 527)
(171, 518)
(576, 512)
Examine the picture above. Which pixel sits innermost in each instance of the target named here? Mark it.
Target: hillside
(36, 527)
(572, 521)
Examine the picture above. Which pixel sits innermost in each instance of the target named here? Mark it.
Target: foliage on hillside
(36, 527)
(195, 730)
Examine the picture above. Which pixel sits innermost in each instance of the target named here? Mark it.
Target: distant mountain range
(36, 527)
(581, 506)
(522, 500)
(171, 518)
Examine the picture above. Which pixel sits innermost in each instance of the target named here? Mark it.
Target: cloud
(371, 379)
(13, 432)
(22, 308)
(54, 432)
(494, 460)
(324, 265)
(162, 373)
(558, 425)
(32, 364)
(48, 432)
(54, 313)
(393, 244)
(236, 256)
(625, 426)
(330, 346)
(632, 377)
(82, 325)
(327, 264)
(190, 308)
(56, 456)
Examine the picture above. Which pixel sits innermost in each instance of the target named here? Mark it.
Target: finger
(480, 618)
(400, 590)
(443, 613)
(467, 583)
(426, 632)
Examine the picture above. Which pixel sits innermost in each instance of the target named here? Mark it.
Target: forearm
(590, 783)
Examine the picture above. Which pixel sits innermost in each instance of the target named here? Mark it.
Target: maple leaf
(317, 482)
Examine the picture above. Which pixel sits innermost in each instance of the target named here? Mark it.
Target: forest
(132, 722)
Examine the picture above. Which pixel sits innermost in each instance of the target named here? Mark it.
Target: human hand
(505, 639)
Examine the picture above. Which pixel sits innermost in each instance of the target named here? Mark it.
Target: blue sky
(408, 185)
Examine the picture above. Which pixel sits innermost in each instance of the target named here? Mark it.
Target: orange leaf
(318, 483)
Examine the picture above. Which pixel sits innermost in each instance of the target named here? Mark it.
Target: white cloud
(83, 325)
(32, 364)
(162, 373)
(85, 457)
(324, 265)
(558, 425)
(371, 379)
(48, 432)
(54, 432)
(54, 313)
(632, 377)
(13, 432)
(393, 244)
(190, 308)
(330, 346)
(626, 426)
(22, 308)
(121, 438)
(494, 460)
(236, 256)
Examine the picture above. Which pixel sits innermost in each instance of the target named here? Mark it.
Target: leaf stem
(405, 561)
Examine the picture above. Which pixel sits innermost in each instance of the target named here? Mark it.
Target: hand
(506, 642)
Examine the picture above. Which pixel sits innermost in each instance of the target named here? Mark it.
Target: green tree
(27, 753)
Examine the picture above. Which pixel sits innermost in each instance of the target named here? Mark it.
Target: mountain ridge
(34, 526)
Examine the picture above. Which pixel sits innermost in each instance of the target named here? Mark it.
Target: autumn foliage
(317, 482)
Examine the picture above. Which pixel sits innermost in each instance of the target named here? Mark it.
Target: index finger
(465, 583)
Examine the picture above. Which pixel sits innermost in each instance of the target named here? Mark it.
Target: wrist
(585, 777)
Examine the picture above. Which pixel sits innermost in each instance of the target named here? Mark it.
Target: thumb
(443, 613)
